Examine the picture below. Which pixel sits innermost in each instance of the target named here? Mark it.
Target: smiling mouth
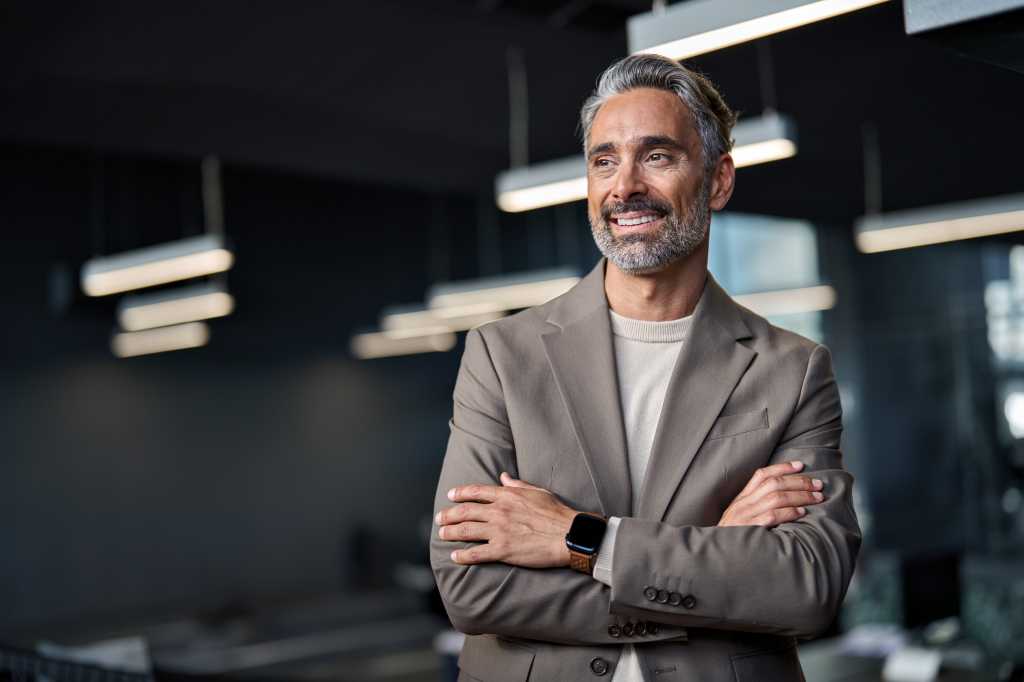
(633, 219)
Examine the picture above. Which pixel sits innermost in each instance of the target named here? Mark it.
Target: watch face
(586, 533)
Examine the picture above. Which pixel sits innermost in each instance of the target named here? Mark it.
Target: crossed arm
(779, 561)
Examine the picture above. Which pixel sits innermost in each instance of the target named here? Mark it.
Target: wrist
(564, 557)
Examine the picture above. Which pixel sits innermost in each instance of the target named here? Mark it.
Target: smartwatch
(583, 540)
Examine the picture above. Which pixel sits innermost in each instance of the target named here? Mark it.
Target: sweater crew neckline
(650, 331)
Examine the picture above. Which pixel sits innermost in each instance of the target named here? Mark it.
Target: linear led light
(508, 292)
(691, 28)
(938, 224)
(789, 301)
(171, 262)
(379, 345)
(159, 340)
(403, 321)
(757, 140)
(542, 184)
(163, 308)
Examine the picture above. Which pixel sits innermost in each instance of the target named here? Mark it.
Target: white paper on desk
(912, 664)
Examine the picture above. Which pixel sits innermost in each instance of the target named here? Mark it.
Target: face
(648, 199)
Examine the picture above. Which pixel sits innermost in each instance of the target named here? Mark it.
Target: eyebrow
(645, 141)
(659, 141)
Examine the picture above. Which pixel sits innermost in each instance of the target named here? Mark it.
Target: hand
(774, 495)
(519, 524)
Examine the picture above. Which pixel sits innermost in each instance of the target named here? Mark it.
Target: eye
(658, 157)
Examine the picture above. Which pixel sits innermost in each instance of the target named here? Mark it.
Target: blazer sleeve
(786, 580)
(555, 605)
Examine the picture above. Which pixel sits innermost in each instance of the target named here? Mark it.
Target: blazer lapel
(709, 366)
(583, 363)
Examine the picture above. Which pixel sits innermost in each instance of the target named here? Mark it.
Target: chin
(632, 267)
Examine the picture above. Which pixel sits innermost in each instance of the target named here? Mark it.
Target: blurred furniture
(22, 665)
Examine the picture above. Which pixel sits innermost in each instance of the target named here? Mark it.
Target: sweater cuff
(606, 553)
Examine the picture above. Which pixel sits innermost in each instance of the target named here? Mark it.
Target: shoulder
(780, 345)
(517, 333)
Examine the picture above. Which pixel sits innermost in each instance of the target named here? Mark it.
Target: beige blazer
(537, 396)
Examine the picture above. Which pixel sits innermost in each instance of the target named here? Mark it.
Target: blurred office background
(257, 507)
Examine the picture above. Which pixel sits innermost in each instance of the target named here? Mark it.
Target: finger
(770, 472)
(466, 511)
(779, 516)
(510, 482)
(468, 531)
(480, 554)
(777, 484)
(476, 492)
(783, 498)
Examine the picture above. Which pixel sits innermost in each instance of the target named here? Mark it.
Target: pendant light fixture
(686, 29)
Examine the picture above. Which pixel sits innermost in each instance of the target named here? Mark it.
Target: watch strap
(584, 563)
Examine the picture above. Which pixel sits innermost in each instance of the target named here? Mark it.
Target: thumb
(508, 481)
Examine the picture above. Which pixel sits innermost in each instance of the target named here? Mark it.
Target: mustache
(638, 204)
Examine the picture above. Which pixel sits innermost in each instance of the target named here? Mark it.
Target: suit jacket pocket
(775, 665)
(494, 659)
(740, 422)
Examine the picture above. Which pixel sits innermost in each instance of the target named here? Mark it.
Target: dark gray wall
(233, 472)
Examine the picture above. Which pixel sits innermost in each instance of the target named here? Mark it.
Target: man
(620, 496)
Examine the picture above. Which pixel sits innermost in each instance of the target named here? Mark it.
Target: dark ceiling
(415, 93)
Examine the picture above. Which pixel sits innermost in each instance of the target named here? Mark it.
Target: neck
(668, 294)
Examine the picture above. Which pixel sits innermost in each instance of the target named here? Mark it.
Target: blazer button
(675, 599)
(650, 593)
(614, 631)
(641, 628)
(627, 629)
(599, 666)
(662, 596)
(689, 601)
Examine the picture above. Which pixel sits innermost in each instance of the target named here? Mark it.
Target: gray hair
(713, 117)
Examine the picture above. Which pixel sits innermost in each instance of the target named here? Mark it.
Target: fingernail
(451, 494)
(454, 555)
(440, 532)
(818, 496)
(437, 519)
(797, 465)
(817, 483)
(801, 510)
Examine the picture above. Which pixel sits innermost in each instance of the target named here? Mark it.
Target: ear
(723, 179)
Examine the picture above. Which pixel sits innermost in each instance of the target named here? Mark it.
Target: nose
(628, 182)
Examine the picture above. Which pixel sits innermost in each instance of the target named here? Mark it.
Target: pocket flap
(496, 660)
(741, 422)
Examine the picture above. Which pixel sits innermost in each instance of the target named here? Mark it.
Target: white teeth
(637, 221)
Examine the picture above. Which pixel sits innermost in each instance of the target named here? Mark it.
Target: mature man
(620, 494)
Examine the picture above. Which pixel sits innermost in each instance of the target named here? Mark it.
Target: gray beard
(640, 254)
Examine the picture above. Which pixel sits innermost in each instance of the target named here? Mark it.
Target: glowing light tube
(416, 320)
(699, 26)
(171, 262)
(789, 301)
(941, 223)
(160, 340)
(508, 292)
(379, 345)
(163, 308)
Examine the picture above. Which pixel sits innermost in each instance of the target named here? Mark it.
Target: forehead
(641, 113)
